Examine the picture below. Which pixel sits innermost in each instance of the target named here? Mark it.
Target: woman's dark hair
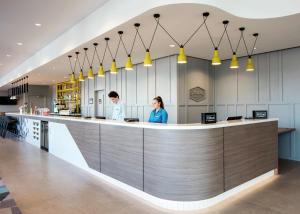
(113, 94)
(159, 100)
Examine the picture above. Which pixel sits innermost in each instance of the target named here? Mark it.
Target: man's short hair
(113, 94)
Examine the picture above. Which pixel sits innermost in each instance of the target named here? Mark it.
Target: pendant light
(181, 59)
(101, 72)
(250, 64)
(113, 67)
(72, 76)
(129, 64)
(80, 77)
(90, 70)
(234, 63)
(216, 58)
(147, 59)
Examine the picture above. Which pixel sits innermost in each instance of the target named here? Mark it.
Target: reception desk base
(174, 167)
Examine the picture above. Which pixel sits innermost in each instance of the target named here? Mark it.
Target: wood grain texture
(122, 154)
(249, 151)
(87, 138)
(183, 165)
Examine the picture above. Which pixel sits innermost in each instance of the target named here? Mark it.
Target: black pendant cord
(108, 48)
(103, 57)
(256, 36)
(77, 59)
(153, 35)
(95, 47)
(162, 27)
(122, 41)
(211, 39)
(71, 64)
(194, 33)
(117, 50)
(227, 35)
(238, 44)
(219, 43)
(243, 38)
(86, 56)
(134, 39)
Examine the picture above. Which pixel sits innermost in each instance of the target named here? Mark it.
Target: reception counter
(175, 166)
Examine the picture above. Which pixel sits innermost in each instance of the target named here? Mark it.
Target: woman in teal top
(159, 114)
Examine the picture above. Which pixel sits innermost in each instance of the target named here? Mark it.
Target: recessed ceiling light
(254, 48)
(172, 46)
(65, 77)
(38, 24)
(8, 55)
(19, 43)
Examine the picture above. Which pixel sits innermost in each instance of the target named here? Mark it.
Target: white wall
(137, 89)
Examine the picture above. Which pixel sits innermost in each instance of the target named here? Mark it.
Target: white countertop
(220, 124)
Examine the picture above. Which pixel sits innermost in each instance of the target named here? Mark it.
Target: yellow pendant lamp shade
(216, 59)
(250, 65)
(113, 67)
(147, 60)
(234, 64)
(181, 57)
(72, 78)
(101, 72)
(81, 77)
(91, 73)
(129, 65)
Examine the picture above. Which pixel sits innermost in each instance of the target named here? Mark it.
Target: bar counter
(175, 166)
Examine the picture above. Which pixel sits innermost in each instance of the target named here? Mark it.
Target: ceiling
(17, 25)
(180, 20)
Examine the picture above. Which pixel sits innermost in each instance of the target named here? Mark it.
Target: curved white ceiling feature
(114, 13)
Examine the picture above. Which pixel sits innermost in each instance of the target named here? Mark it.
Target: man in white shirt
(119, 109)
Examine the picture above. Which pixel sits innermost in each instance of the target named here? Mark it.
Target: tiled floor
(44, 184)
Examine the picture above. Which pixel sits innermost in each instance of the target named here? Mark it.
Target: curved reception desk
(180, 167)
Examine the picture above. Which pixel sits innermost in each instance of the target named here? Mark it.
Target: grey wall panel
(147, 111)
(249, 151)
(142, 85)
(131, 87)
(231, 110)
(128, 111)
(283, 113)
(172, 113)
(113, 82)
(247, 84)
(225, 84)
(263, 69)
(194, 173)
(182, 88)
(295, 136)
(197, 76)
(173, 80)
(119, 83)
(194, 113)
(291, 77)
(122, 154)
(134, 111)
(100, 83)
(124, 85)
(140, 113)
(151, 82)
(163, 79)
(221, 111)
(241, 109)
(91, 92)
(275, 77)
